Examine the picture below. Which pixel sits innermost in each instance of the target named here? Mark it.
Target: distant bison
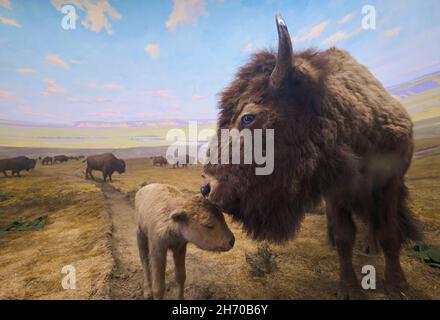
(73, 158)
(16, 165)
(60, 159)
(107, 163)
(161, 161)
(47, 160)
(167, 219)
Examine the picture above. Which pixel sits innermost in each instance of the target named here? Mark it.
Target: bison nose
(205, 190)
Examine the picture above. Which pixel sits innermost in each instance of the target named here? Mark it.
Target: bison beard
(338, 135)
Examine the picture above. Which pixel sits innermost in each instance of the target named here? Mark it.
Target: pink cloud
(52, 88)
(104, 86)
(25, 110)
(7, 95)
(198, 97)
(162, 94)
(108, 113)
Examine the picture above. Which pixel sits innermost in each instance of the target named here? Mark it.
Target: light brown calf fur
(169, 219)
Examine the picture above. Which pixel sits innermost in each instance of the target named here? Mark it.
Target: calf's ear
(178, 216)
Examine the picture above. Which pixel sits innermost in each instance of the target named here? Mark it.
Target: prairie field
(90, 226)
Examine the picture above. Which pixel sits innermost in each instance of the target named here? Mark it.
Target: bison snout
(205, 190)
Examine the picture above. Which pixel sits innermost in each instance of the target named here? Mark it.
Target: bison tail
(408, 223)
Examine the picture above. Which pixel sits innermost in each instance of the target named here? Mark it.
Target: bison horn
(284, 58)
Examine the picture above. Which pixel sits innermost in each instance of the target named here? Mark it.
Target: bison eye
(247, 119)
(208, 226)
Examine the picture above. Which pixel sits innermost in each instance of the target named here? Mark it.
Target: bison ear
(178, 216)
(283, 66)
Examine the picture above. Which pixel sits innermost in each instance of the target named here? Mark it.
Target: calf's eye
(208, 226)
(247, 119)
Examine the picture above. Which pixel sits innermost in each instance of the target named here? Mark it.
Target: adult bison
(338, 135)
(107, 163)
(159, 161)
(16, 165)
(60, 159)
(47, 161)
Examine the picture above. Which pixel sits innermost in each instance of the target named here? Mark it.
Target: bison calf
(169, 219)
(107, 163)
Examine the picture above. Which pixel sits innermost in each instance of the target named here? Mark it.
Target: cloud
(25, 110)
(57, 61)
(185, 12)
(6, 4)
(9, 22)
(51, 88)
(162, 94)
(198, 97)
(314, 33)
(104, 86)
(347, 18)
(99, 13)
(108, 113)
(153, 50)
(340, 36)
(391, 33)
(248, 48)
(103, 100)
(335, 37)
(7, 95)
(25, 70)
(73, 61)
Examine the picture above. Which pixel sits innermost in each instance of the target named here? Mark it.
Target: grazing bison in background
(159, 161)
(107, 163)
(16, 165)
(338, 135)
(47, 160)
(73, 158)
(60, 159)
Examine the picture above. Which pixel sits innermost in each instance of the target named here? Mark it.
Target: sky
(169, 59)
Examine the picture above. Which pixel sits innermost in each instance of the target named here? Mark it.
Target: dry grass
(76, 234)
(306, 267)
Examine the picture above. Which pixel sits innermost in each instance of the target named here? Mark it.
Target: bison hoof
(351, 294)
(395, 295)
(148, 296)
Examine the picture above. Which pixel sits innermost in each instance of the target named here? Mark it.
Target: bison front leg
(5, 173)
(179, 268)
(158, 256)
(344, 232)
(142, 241)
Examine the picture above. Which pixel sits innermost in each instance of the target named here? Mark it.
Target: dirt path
(126, 279)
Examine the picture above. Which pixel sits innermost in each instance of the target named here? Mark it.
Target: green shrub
(5, 196)
(261, 262)
(426, 253)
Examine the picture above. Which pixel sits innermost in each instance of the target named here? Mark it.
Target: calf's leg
(158, 255)
(179, 268)
(142, 241)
